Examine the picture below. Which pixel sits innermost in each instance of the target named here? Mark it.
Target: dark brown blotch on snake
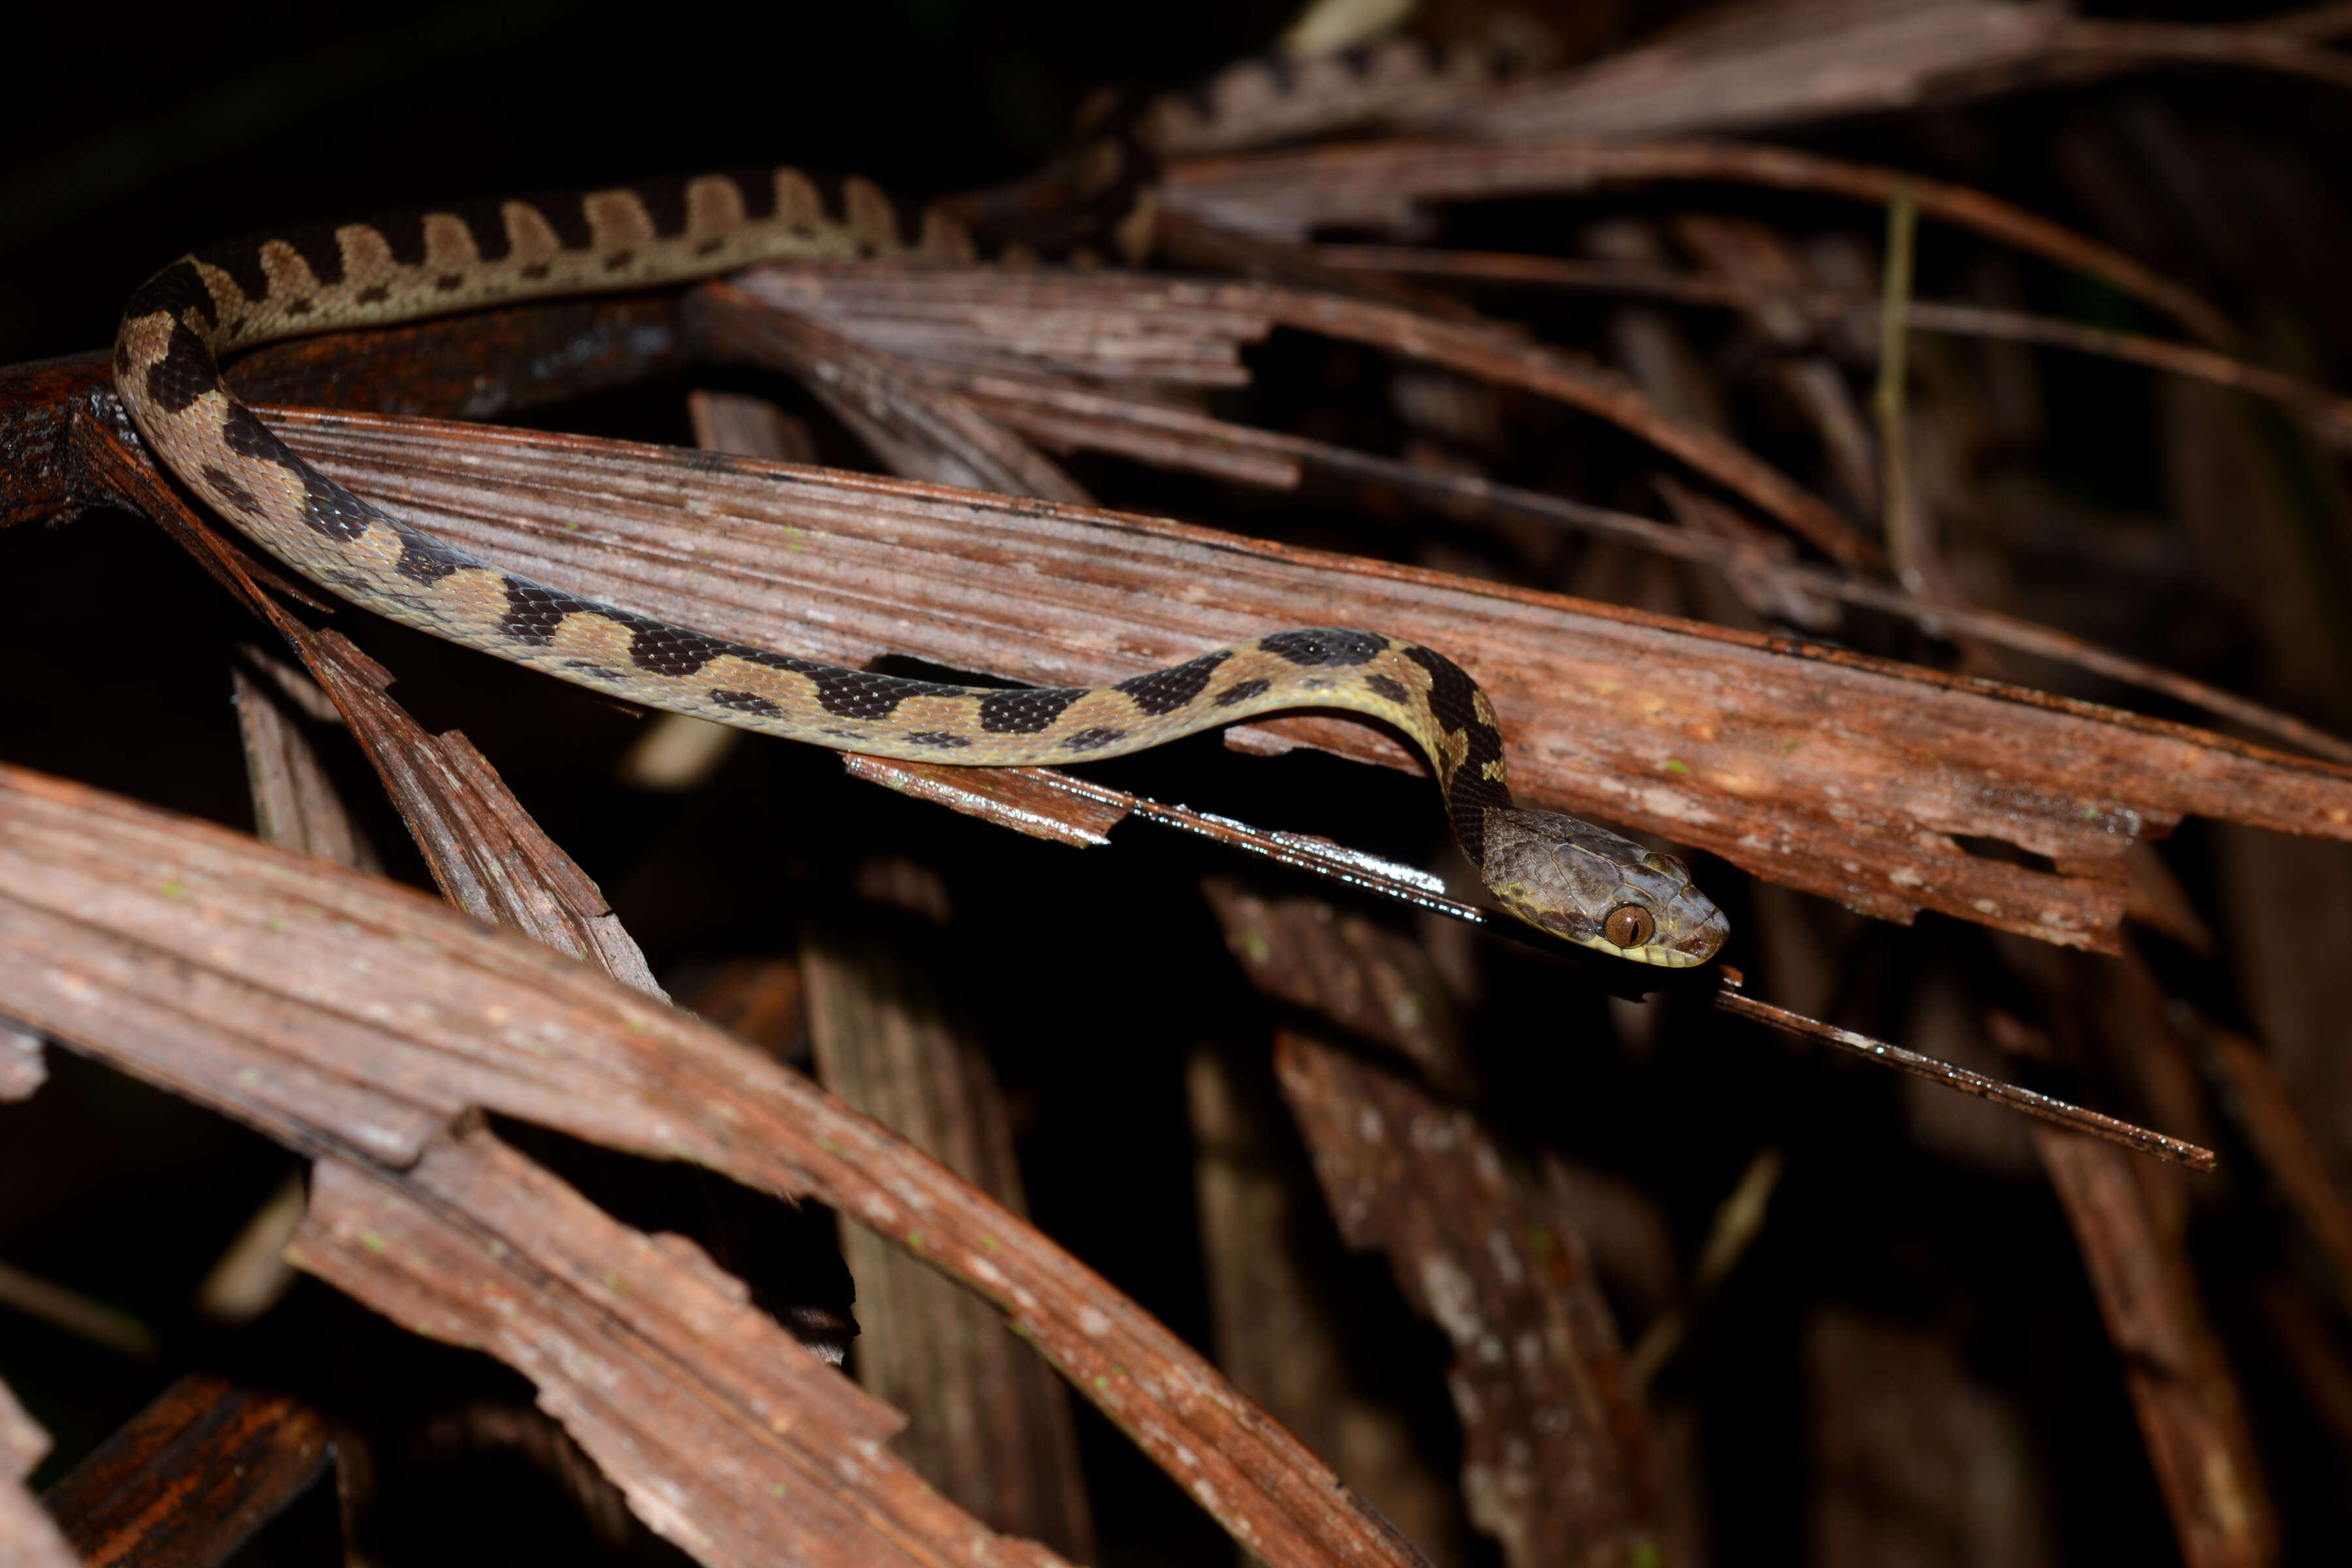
(320, 251)
(241, 259)
(744, 703)
(664, 203)
(330, 510)
(1242, 691)
(237, 495)
(567, 214)
(249, 437)
(1028, 711)
(534, 612)
(1325, 646)
(185, 374)
(670, 650)
(425, 559)
(1166, 690)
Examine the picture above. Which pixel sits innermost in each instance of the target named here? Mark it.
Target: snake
(1560, 874)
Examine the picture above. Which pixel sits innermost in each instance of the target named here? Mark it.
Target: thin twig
(1046, 803)
(1737, 1221)
(1887, 402)
(1336, 863)
(2041, 1106)
(2319, 25)
(75, 1313)
(2254, 47)
(2329, 413)
(1384, 183)
(1419, 891)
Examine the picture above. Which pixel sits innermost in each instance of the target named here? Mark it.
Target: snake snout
(1600, 890)
(1699, 925)
(1686, 929)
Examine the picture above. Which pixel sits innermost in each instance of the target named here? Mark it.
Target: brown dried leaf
(22, 1068)
(1556, 1466)
(1381, 184)
(989, 1423)
(2304, 1337)
(1843, 775)
(1065, 416)
(1746, 67)
(1364, 978)
(1754, 256)
(489, 857)
(350, 1018)
(487, 853)
(29, 1538)
(2283, 906)
(1117, 328)
(1769, 597)
(1034, 801)
(1064, 412)
(22, 1444)
(1037, 318)
(1280, 1331)
(748, 428)
(2191, 1413)
(1914, 1460)
(1847, 313)
(2284, 1139)
(294, 802)
(194, 1477)
(1052, 402)
(727, 1436)
(917, 428)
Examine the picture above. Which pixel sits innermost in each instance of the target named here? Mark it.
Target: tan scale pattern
(403, 268)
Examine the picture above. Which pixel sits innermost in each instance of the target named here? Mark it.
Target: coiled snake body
(1559, 873)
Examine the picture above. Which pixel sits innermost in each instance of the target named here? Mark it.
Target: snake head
(1600, 891)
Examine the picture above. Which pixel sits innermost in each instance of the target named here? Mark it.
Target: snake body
(1563, 875)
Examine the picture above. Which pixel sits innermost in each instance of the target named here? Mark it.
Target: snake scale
(1559, 873)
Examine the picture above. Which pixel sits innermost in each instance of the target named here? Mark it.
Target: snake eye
(1629, 925)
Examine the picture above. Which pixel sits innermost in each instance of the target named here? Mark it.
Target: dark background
(135, 134)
